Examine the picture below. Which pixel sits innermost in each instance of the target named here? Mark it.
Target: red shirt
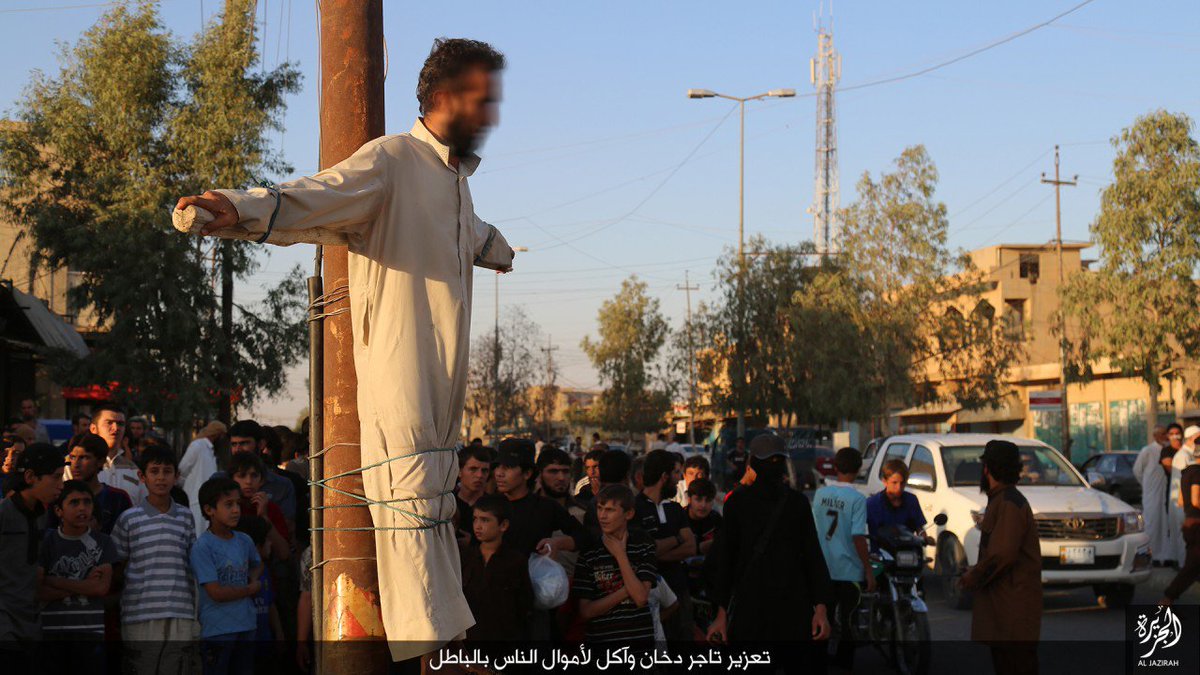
(274, 514)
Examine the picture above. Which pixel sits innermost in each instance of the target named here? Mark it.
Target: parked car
(807, 466)
(1087, 537)
(1112, 472)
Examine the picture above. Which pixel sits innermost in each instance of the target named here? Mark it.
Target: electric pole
(548, 394)
(1062, 321)
(347, 615)
(687, 288)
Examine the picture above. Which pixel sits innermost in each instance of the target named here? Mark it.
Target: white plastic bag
(550, 583)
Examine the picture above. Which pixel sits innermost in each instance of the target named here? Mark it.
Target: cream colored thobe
(1147, 469)
(413, 236)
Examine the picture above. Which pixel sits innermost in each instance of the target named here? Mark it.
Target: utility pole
(496, 372)
(687, 288)
(1062, 321)
(547, 392)
(346, 608)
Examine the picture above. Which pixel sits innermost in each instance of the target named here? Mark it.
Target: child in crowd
(705, 522)
(158, 606)
(495, 576)
(615, 573)
(840, 513)
(304, 612)
(246, 468)
(269, 630)
(86, 454)
(76, 570)
(227, 568)
(37, 478)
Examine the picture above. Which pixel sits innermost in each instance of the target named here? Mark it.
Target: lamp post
(774, 93)
(496, 347)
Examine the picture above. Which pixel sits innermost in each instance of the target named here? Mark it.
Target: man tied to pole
(402, 205)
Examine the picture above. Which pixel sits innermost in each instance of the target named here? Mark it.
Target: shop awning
(941, 409)
(53, 331)
(1010, 409)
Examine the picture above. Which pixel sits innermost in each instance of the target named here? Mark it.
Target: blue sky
(595, 118)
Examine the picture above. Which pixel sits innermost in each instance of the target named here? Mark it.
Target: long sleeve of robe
(413, 236)
(1164, 540)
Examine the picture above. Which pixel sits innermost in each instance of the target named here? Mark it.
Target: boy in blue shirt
(840, 513)
(892, 505)
(227, 567)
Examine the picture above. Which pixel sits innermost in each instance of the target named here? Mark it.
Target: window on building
(984, 315)
(1029, 267)
(1014, 318)
(1087, 431)
(1127, 424)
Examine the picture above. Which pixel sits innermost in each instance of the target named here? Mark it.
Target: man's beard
(983, 481)
(461, 140)
(553, 493)
(669, 490)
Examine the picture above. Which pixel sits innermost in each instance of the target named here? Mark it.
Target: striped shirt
(597, 575)
(158, 578)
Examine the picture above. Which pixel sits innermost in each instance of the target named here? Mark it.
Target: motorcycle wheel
(911, 648)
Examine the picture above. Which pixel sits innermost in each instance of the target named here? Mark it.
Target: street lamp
(773, 93)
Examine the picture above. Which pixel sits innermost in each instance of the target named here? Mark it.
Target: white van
(1088, 538)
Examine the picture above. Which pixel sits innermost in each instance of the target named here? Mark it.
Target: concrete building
(1107, 413)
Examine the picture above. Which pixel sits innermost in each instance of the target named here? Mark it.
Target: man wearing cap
(770, 581)
(1184, 457)
(1007, 579)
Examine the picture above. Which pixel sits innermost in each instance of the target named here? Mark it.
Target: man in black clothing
(535, 517)
(777, 592)
(735, 461)
(474, 467)
(666, 522)
(495, 577)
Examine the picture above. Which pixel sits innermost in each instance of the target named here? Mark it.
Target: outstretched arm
(329, 208)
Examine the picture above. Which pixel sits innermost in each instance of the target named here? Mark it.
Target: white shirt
(408, 220)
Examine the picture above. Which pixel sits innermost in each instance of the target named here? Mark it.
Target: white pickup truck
(1088, 538)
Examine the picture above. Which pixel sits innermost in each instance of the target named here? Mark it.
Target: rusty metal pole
(352, 67)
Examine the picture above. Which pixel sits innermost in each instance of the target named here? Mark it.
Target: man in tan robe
(402, 206)
(1007, 579)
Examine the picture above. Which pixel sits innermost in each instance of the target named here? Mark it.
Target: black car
(1112, 472)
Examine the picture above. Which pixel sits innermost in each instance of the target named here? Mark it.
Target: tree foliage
(632, 332)
(1139, 308)
(101, 151)
(503, 373)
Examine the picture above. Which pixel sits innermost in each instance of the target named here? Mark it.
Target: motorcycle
(895, 618)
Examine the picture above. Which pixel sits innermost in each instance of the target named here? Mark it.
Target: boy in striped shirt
(158, 605)
(614, 575)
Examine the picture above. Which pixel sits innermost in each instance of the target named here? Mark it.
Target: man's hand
(254, 587)
(870, 584)
(616, 545)
(260, 501)
(820, 624)
(223, 210)
(716, 630)
(546, 546)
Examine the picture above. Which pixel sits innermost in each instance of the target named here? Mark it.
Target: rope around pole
(427, 522)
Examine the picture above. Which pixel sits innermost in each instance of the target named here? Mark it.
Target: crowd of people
(1168, 469)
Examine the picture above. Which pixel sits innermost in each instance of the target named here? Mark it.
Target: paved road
(1069, 615)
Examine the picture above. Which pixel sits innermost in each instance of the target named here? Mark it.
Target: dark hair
(614, 467)
(256, 527)
(70, 487)
(678, 457)
(449, 58)
(244, 461)
(893, 467)
(593, 455)
(497, 505)
(1175, 425)
(157, 454)
(247, 429)
(550, 456)
(616, 493)
(42, 459)
(274, 445)
(478, 453)
(659, 463)
(702, 487)
(110, 407)
(847, 460)
(91, 443)
(80, 416)
(215, 488)
(1003, 461)
(698, 462)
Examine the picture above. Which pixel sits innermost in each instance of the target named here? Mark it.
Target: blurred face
(470, 105)
(487, 527)
(250, 481)
(473, 475)
(699, 507)
(46, 488)
(592, 468)
(28, 409)
(137, 429)
(1175, 438)
(227, 511)
(612, 517)
(556, 480)
(242, 444)
(159, 479)
(741, 445)
(82, 424)
(692, 473)
(511, 479)
(76, 511)
(110, 426)
(84, 465)
(894, 486)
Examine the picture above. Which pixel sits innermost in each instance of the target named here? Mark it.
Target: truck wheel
(951, 561)
(1114, 596)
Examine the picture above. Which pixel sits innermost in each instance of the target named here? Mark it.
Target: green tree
(632, 332)
(503, 373)
(1139, 308)
(97, 158)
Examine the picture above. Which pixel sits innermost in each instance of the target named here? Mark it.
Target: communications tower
(825, 71)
